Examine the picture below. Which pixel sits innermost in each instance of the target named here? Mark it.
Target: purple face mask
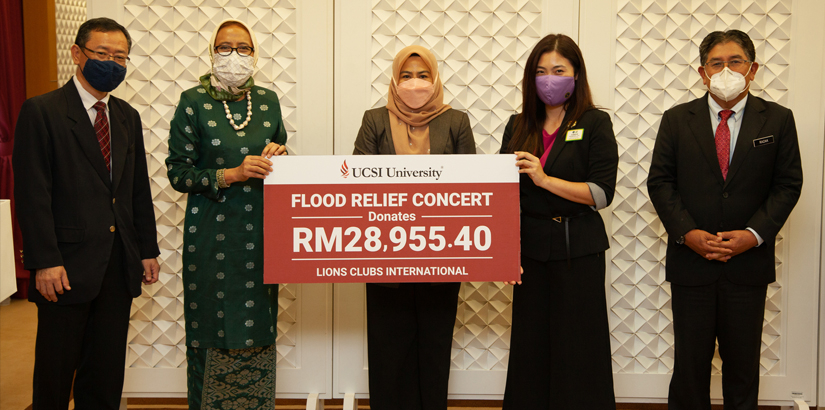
(555, 89)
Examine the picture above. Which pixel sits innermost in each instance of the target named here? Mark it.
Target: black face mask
(104, 76)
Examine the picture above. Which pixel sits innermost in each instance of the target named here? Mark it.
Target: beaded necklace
(248, 113)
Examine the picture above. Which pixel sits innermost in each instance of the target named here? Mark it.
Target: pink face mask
(415, 92)
(555, 89)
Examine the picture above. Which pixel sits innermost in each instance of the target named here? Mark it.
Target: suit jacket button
(112, 228)
(724, 195)
(113, 201)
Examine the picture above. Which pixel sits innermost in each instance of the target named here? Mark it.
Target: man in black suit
(725, 175)
(86, 214)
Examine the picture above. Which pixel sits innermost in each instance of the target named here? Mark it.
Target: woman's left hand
(515, 282)
(529, 164)
(273, 149)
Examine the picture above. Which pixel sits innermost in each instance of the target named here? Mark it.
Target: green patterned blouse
(226, 304)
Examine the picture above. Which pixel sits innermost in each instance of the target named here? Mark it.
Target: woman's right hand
(253, 166)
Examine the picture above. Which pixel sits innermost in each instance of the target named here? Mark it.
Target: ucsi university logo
(390, 172)
(344, 170)
(373, 172)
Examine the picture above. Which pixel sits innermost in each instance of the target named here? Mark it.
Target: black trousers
(560, 341)
(731, 314)
(89, 338)
(410, 334)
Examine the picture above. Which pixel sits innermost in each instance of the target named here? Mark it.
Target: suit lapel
(120, 141)
(439, 132)
(752, 122)
(558, 144)
(702, 130)
(85, 132)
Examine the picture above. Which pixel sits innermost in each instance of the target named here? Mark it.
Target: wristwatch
(681, 240)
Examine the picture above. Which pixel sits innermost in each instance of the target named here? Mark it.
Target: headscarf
(211, 83)
(410, 128)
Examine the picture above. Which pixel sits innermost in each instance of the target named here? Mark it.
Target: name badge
(574, 135)
(758, 142)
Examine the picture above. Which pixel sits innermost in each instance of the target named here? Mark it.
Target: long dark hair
(529, 124)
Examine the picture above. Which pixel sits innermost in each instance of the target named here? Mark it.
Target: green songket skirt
(231, 378)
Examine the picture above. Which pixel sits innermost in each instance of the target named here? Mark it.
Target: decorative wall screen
(69, 15)
(481, 46)
(657, 52)
(169, 53)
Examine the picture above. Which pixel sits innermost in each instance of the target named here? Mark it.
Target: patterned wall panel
(482, 48)
(69, 15)
(657, 53)
(168, 55)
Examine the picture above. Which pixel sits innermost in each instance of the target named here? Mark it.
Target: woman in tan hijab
(410, 325)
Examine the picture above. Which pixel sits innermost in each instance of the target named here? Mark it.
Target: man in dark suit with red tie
(725, 174)
(86, 214)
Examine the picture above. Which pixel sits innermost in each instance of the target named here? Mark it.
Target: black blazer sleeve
(461, 134)
(662, 182)
(32, 163)
(786, 184)
(369, 136)
(603, 158)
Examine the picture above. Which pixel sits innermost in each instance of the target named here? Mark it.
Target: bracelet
(221, 179)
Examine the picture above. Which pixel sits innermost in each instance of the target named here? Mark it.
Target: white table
(8, 279)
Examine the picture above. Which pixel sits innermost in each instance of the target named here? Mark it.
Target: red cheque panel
(465, 232)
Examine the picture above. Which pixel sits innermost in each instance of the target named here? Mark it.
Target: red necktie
(102, 131)
(723, 142)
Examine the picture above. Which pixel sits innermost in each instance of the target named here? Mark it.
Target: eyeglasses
(734, 65)
(225, 50)
(101, 55)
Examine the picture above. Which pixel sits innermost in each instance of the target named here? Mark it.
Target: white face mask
(233, 70)
(727, 84)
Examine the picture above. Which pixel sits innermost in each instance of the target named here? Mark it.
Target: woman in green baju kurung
(213, 156)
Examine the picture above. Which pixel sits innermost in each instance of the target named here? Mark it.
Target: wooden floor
(18, 324)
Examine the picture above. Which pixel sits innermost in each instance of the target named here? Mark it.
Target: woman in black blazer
(567, 155)
(410, 325)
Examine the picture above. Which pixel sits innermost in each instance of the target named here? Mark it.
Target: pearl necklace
(248, 113)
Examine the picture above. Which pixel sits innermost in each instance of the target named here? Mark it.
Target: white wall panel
(69, 15)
